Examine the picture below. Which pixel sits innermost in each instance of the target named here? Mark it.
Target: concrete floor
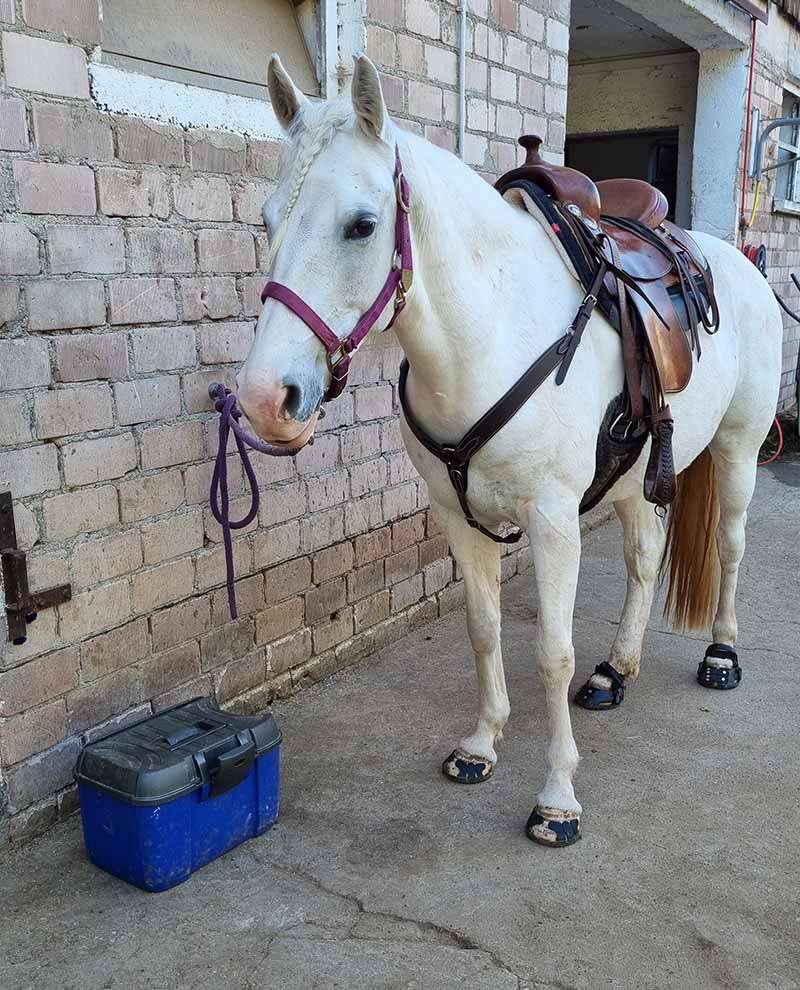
(381, 874)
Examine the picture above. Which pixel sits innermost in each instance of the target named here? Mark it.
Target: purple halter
(398, 283)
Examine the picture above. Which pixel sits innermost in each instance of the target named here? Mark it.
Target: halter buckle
(398, 190)
(336, 356)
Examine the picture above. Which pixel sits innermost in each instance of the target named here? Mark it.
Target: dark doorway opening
(648, 155)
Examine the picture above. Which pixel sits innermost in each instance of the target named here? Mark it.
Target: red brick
(438, 575)
(287, 580)
(9, 302)
(162, 585)
(163, 446)
(327, 491)
(330, 634)
(224, 343)
(76, 19)
(323, 456)
(249, 201)
(95, 561)
(373, 402)
(44, 187)
(372, 546)
(276, 544)
(88, 461)
(147, 399)
(145, 142)
(363, 515)
(94, 611)
(386, 11)
(94, 250)
(15, 421)
(276, 622)
(168, 670)
(61, 412)
(150, 495)
(401, 565)
(282, 503)
(369, 476)
(80, 512)
(249, 599)
(241, 676)
(211, 566)
(408, 532)
(361, 442)
(90, 356)
(142, 300)
(191, 689)
(228, 642)
(160, 250)
(124, 192)
(365, 580)
(432, 550)
(31, 732)
(164, 348)
(189, 620)
(289, 652)
(226, 251)
(72, 132)
(251, 293)
(114, 650)
(65, 305)
(212, 298)
(29, 471)
(172, 537)
(19, 250)
(400, 501)
(201, 197)
(332, 562)
(322, 529)
(45, 66)
(216, 151)
(38, 681)
(381, 46)
(25, 362)
(13, 126)
(407, 593)
(107, 696)
(239, 507)
(370, 611)
(400, 468)
(264, 157)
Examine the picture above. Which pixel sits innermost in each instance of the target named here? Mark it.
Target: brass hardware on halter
(398, 191)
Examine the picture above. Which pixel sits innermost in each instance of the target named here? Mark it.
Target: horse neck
(481, 270)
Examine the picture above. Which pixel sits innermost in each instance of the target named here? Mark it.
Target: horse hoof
(597, 699)
(550, 827)
(466, 769)
(710, 675)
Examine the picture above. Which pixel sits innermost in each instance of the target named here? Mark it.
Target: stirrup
(719, 678)
(599, 699)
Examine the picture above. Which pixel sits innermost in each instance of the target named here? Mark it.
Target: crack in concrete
(449, 936)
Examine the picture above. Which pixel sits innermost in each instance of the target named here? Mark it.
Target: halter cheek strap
(397, 284)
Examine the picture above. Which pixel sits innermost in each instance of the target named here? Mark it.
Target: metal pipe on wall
(462, 77)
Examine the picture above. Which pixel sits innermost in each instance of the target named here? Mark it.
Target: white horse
(490, 294)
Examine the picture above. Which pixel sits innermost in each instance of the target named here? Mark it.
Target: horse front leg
(474, 757)
(556, 547)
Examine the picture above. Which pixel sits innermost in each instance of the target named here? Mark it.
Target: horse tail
(690, 561)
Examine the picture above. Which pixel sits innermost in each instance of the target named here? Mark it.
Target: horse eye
(363, 227)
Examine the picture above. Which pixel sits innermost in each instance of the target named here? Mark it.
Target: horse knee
(483, 627)
(555, 661)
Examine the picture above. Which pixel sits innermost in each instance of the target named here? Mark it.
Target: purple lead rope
(225, 404)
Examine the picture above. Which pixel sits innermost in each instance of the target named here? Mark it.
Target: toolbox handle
(233, 766)
(188, 732)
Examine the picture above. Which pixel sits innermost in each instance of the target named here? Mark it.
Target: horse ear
(287, 100)
(368, 101)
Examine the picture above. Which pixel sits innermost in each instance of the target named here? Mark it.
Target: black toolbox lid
(176, 752)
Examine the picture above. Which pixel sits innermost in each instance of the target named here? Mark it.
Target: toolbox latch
(233, 766)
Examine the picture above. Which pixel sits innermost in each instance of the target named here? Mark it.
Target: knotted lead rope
(229, 414)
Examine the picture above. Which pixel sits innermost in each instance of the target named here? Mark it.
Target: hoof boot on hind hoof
(550, 827)
(711, 675)
(597, 699)
(466, 769)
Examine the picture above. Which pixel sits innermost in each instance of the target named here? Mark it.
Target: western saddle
(656, 290)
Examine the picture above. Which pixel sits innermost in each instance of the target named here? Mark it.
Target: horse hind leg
(474, 757)
(643, 545)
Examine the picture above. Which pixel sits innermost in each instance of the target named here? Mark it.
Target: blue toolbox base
(166, 796)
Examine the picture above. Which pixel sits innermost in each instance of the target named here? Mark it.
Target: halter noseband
(398, 283)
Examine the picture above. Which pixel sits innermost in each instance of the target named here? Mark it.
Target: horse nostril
(291, 404)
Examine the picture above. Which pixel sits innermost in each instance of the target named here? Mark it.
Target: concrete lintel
(701, 24)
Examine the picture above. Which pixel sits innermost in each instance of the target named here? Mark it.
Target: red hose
(777, 453)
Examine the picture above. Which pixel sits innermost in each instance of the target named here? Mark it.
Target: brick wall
(130, 254)
(516, 73)
(780, 232)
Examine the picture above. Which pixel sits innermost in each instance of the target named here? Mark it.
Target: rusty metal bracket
(22, 605)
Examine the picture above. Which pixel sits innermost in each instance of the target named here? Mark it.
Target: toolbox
(164, 797)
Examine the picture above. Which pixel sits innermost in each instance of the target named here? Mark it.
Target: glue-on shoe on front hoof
(466, 769)
(550, 827)
(598, 699)
(720, 668)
